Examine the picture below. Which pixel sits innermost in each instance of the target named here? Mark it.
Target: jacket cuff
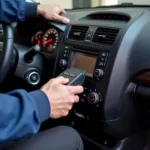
(31, 9)
(42, 104)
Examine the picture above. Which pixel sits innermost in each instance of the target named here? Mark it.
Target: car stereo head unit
(83, 61)
(93, 63)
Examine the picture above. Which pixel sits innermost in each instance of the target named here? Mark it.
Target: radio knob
(62, 63)
(93, 98)
(99, 73)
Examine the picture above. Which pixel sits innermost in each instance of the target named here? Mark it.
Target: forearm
(31, 10)
(16, 10)
(22, 114)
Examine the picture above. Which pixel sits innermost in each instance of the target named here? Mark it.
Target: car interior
(112, 44)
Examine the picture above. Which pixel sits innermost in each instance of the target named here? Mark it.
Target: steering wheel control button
(62, 63)
(99, 73)
(33, 78)
(93, 98)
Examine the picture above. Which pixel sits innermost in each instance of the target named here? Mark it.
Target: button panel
(65, 57)
(89, 34)
(91, 96)
(101, 65)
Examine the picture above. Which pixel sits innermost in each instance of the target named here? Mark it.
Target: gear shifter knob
(31, 53)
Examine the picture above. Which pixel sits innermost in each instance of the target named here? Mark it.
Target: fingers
(72, 99)
(69, 100)
(62, 10)
(65, 113)
(75, 89)
(76, 99)
(69, 106)
(61, 80)
(62, 19)
(65, 105)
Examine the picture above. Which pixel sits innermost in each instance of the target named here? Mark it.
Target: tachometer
(50, 40)
(36, 39)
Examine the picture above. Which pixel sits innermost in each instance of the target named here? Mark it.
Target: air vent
(78, 32)
(105, 36)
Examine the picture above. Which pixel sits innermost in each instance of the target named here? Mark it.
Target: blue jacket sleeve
(21, 114)
(16, 10)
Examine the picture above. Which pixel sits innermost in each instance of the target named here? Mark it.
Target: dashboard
(112, 45)
(41, 33)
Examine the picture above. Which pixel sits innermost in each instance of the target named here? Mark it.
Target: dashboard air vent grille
(105, 36)
(78, 32)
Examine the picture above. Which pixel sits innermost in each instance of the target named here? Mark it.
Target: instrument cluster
(47, 40)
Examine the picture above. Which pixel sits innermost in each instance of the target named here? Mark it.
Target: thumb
(61, 80)
(62, 19)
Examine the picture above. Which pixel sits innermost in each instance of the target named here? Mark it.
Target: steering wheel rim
(7, 51)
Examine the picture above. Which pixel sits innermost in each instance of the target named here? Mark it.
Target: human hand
(51, 12)
(61, 97)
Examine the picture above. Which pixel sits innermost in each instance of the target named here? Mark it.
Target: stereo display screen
(85, 62)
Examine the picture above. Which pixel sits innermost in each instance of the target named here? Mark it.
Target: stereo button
(62, 63)
(93, 98)
(65, 55)
(104, 54)
(99, 73)
(103, 59)
(67, 47)
(101, 64)
(66, 51)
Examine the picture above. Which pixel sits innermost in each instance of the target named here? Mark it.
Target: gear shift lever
(31, 53)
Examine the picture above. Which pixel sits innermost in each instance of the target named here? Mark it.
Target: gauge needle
(39, 42)
(36, 38)
(48, 41)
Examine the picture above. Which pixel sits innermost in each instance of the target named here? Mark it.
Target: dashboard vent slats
(105, 36)
(78, 32)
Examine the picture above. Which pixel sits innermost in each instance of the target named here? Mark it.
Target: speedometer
(50, 40)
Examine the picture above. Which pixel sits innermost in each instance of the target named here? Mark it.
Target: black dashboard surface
(129, 56)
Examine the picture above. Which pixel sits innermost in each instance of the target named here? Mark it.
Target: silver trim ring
(29, 78)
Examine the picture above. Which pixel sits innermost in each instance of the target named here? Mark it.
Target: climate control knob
(62, 63)
(99, 73)
(93, 98)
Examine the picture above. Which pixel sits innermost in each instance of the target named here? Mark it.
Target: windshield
(69, 4)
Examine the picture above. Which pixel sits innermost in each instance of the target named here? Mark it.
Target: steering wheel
(6, 52)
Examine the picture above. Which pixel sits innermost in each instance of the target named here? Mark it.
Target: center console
(108, 110)
(93, 49)
(89, 111)
(94, 63)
